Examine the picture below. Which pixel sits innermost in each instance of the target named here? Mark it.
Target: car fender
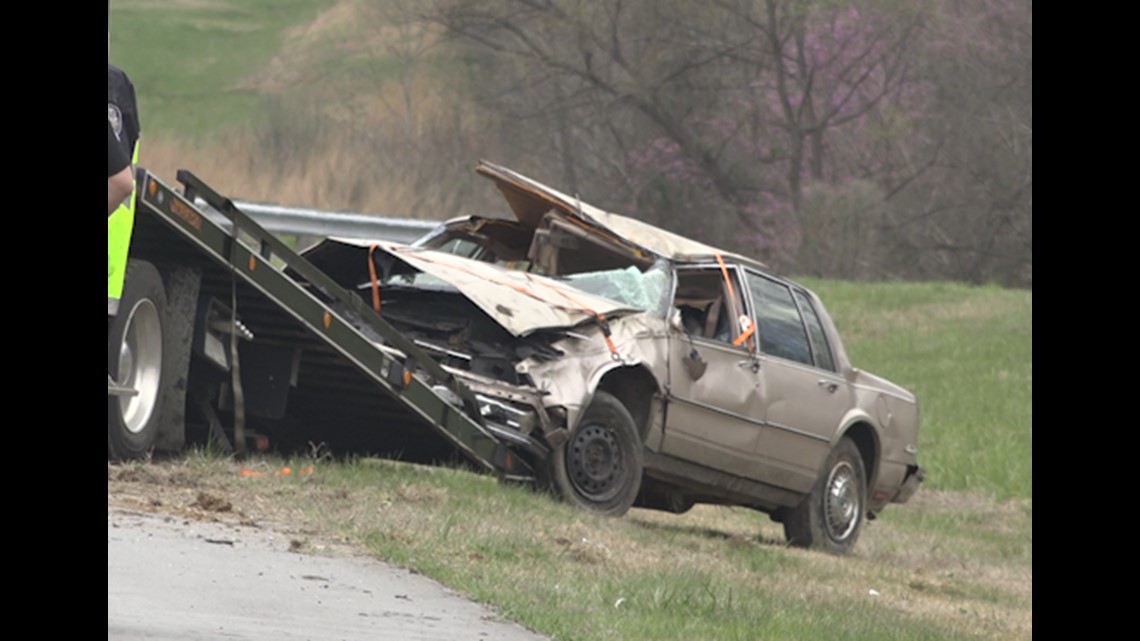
(640, 342)
(855, 417)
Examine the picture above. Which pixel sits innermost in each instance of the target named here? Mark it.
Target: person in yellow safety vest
(123, 126)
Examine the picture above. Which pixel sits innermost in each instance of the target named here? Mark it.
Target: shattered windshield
(646, 291)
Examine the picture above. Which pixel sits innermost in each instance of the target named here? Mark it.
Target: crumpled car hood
(519, 301)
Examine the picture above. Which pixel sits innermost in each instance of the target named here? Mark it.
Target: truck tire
(599, 466)
(136, 359)
(831, 516)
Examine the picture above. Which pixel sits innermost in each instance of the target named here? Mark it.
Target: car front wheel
(831, 516)
(599, 467)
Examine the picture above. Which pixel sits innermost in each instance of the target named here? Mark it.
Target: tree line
(878, 139)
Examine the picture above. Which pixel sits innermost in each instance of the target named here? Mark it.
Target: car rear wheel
(831, 516)
(599, 466)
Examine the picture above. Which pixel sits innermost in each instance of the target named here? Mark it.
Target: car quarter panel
(896, 414)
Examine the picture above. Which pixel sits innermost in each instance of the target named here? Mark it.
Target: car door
(806, 398)
(716, 398)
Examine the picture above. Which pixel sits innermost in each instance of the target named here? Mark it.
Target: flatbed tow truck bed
(304, 365)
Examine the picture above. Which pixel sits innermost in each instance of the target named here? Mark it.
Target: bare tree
(971, 216)
(738, 98)
(908, 123)
(603, 69)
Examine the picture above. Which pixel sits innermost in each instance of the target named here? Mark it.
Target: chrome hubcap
(841, 504)
(140, 365)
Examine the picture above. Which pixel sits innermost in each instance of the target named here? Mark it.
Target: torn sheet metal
(521, 302)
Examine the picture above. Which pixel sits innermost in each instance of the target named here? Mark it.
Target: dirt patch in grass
(218, 493)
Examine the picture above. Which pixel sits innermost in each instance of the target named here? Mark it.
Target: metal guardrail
(314, 222)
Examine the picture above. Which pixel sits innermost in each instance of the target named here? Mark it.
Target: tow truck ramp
(311, 357)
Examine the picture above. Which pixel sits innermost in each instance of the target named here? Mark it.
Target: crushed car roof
(530, 200)
(523, 302)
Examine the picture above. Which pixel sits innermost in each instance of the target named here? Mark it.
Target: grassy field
(967, 353)
(954, 563)
(310, 103)
(195, 63)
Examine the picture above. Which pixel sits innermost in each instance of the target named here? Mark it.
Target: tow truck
(222, 326)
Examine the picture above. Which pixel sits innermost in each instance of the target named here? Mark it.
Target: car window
(414, 280)
(460, 247)
(705, 305)
(819, 346)
(778, 322)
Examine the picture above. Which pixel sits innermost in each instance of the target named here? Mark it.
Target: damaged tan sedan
(635, 367)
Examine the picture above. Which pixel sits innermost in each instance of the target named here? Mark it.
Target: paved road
(172, 579)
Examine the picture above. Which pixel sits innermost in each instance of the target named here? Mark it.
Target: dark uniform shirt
(117, 159)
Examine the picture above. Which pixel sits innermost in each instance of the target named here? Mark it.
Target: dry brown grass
(358, 120)
(335, 172)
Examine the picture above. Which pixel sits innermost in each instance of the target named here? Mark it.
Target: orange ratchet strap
(375, 282)
(727, 280)
(745, 335)
(746, 332)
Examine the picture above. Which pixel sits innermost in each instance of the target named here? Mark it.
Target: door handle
(830, 386)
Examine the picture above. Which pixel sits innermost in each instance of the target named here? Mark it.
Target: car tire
(831, 517)
(136, 359)
(599, 466)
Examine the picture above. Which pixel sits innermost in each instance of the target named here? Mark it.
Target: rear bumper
(914, 476)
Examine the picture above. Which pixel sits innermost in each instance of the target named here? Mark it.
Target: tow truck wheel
(599, 467)
(135, 360)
